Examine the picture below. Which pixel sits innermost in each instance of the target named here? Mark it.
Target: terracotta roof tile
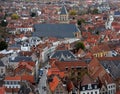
(13, 78)
(54, 83)
(70, 86)
(86, 80)
(2, 90)
(28, 78)
(69, 64)
(55, 71)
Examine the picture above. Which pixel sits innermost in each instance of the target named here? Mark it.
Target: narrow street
(42, 83)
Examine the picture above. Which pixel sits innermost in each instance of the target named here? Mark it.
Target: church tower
(109, 22)
(64, 16)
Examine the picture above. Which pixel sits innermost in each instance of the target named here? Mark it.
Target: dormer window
(95, 86)
(83, 88)
(66, 68)
(89, 86)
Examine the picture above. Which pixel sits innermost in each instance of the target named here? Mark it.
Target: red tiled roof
(56, 72)
(70, 86)
(13, 78)
(118, 92)
(2, 90)
(97, 71)
(28, 78)
(100, 48)
(86, 80)
(69, 64)
(54, 83)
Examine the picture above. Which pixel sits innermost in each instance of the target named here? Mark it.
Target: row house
(88, 86)
(12, 84)
(98, 71)
(101, 50)
(24, 29)
(56, 86)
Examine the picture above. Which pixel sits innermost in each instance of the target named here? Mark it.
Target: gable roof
(97, 71)
(2, 90)
(63, 11)
(86, 80)
(63, 55)
(112, 65)
(28, 78)
(20, 58)
(54, 83)
(55, 30)
(13, 78)
(62, 65)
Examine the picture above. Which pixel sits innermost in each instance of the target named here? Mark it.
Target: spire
(63, 11)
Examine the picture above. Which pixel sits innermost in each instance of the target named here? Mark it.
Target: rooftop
(63, 55)
(112, 65)
(63, 11)
(55, 30)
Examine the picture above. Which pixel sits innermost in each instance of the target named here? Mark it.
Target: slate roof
(63, 55)
(112, 66)
(1, 64)
(20, 58)
(55, 30)
(117, 13)
(63, 11)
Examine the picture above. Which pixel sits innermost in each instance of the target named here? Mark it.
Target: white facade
(111, 88)
(12, 84)
(25, 47)
(90, 89)
(95, 91)
(46, 52)
(108, 24)
(25, 29)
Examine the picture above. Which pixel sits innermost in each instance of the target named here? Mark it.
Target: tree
(72, 12)
(79, 45)
(95, 11)
(3, 45)
(4, 23)
(33, 14)
(79, 22)
(14, 16)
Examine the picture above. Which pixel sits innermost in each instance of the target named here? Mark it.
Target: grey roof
(63, 11)
(112, 66)
(1, 64)
(117, 13)
(63, 55)
(55, 30)
(16, 45)
(20, 58)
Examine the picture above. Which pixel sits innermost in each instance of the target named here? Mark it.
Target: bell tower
(64, 16)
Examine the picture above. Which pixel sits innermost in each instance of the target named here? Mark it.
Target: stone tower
(64, 15)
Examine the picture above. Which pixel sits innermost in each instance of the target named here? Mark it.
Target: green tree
(3, 45)
(79, 45)
(3, 23)
(95, 11)
(33, 14)
(79, 22)
(14, 16)
(72, 12)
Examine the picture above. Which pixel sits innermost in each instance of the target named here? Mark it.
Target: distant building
(57, 30)
(63, 55)
(88, 86)
(64, 16)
